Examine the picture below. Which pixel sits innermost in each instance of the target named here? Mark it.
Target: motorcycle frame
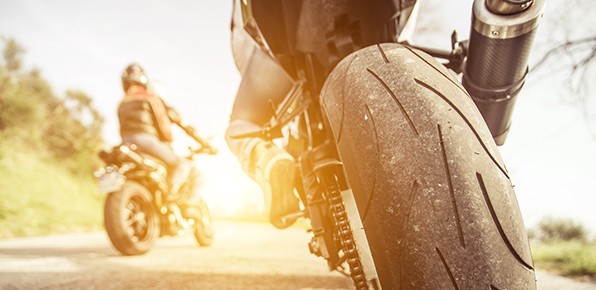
(318, 158)
(151, 175)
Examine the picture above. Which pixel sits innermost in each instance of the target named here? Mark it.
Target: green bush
(573, 258)
(554, 229)
(560, 245)
(66, 128)
(48, 151)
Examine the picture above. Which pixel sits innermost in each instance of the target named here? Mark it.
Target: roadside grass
(38, 196)
(563, 246)
(569, 258)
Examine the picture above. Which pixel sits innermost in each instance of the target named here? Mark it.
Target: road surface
(243, 256)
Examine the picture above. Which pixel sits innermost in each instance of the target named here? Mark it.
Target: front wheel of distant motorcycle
(131, 220)
(203, 227)
(435, 199)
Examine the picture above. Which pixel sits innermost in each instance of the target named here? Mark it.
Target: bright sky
(185, 45)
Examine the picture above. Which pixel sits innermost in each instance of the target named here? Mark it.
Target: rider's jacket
(141, 111)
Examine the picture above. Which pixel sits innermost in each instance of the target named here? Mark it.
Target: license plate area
(110, 182)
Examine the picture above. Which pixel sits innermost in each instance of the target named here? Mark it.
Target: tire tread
(415, 164)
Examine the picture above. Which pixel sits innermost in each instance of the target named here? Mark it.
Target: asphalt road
(243, 256)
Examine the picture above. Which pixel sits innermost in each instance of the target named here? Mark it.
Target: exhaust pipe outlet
(497, 60)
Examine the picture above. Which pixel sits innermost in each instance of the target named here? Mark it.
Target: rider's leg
(179, 174)
(179, 167)
(272, 167)
(264, 82)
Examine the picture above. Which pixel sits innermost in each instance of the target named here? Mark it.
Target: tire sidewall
(203, 228)
(116, 224)
(433, 194)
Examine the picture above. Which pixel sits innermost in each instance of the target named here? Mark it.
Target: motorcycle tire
(131, 220)
(435, 199)
(203, 227)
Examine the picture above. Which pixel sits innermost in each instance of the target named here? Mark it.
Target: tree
(579, 56)
(66, 128)
(557, 229)
(13, 54)
(74, 131)
(567, 48)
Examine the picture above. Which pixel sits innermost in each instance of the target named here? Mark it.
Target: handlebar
(203, 149)
(204, 146)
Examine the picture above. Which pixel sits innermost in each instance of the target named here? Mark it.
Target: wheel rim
(136, 219)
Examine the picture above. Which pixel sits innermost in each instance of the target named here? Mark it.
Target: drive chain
(342, 226)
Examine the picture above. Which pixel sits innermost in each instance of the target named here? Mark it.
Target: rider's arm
(184, 125)
(175, 117)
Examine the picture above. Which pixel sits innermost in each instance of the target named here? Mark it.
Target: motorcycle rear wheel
(434, 196)
(131, 220)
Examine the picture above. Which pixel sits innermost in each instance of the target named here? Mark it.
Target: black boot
(275, 170)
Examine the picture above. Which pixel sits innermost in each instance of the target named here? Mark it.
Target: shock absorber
(501, 37)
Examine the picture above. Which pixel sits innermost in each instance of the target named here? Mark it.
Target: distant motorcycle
(139, 206)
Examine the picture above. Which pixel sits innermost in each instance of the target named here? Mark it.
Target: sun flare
(229, 192)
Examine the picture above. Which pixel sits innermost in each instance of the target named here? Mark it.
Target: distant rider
(145, 120)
